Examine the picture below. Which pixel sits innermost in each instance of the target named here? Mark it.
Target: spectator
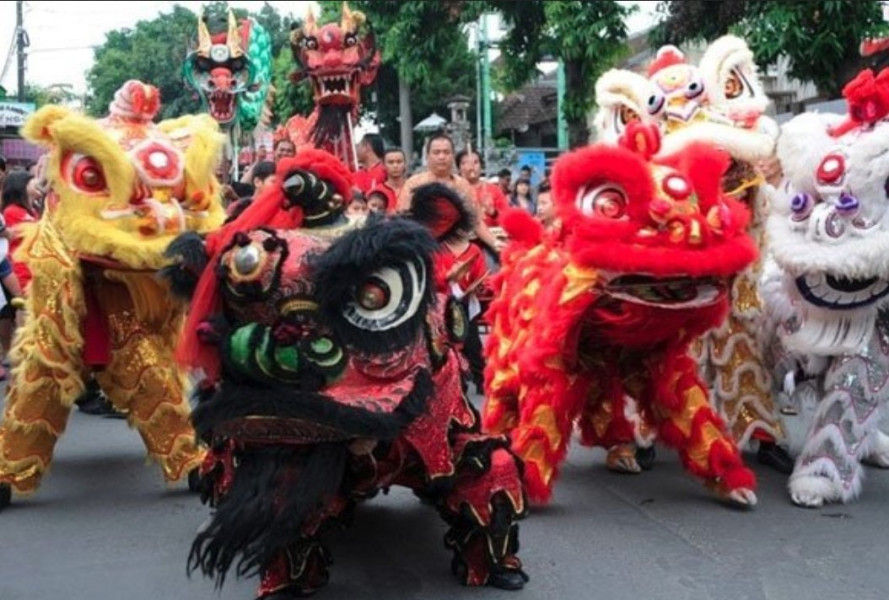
(262, 177)
(357, 207)
(370, 157)
(505, 179)
(440, 161)
(283, 148)
(489, 200)
(377, 201)
(525, 173)
(396, 170)
(546, 210)
(17, 209)
(521, 196)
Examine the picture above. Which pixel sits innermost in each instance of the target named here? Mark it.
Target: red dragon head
(656, 238)
(338, 58)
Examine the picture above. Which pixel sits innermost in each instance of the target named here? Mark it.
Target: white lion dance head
(829, 230)
(720, 100)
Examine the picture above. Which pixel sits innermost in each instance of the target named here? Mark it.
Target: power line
(64, 48)
(9, 54)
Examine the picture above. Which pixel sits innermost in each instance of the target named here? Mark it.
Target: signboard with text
(14, 114)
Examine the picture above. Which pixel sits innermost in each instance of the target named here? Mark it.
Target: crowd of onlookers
(23, 194)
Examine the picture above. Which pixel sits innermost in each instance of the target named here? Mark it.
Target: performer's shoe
(194, 481)
(645, 457)
(773, 455)
(289, 593)
(96, 404)
(5, 495)
(508, 579)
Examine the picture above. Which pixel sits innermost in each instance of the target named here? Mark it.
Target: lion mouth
(841, 293)
(672, 293)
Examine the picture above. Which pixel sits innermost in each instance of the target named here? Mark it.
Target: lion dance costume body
(719, 101)
(829, 286)
(334, 375)
(122, 189)
(592, 326)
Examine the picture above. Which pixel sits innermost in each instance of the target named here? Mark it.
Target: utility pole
(487, 132)
(562, 122)
(20, 46)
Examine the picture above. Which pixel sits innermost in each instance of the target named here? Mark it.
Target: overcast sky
(63, 34)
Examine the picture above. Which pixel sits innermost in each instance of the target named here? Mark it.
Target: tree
(588, 37)
(152, 51)
(155, 50)
(820, 39)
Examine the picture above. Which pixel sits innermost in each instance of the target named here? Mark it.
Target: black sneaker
(773, 455)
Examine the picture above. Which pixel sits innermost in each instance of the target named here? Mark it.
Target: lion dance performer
(333, 374)
(719, 101)
(339, 59)
(592, 325)
(829, 288)
(121, 189)
(232, 74)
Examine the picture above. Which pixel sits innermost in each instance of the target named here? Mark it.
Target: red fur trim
(323, 164)
(867, 98)
(738, 478)
(705, 167)
(521, 227)
(593, 166)
(667, 56)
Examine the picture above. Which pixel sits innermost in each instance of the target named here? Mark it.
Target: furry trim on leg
(274, 492)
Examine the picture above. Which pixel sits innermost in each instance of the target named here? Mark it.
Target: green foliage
(153, 52)
(56, 94)
(588, 37)
(819, 39)
(290, 98)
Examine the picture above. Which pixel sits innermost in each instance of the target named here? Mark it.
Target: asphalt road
(104, 526)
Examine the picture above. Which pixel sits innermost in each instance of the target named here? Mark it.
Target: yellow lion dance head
(123, 187)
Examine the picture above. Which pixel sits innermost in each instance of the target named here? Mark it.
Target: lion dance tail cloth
(335, 375)
(122, 188)
(829, 237)
(607, 309)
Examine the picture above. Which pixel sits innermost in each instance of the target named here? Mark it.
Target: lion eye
(86, 174)
(607, 201)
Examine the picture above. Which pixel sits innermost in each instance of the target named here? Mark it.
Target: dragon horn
(234, 36)
(310, 28)
(204, 41)
(348, 22)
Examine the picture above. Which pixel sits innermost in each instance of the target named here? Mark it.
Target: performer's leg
(295, 573)
(612, 418)
(842, 433)
(482, 510)
(38, 403)
(472, 350)
(142, 381)
(878, 450)
(689, 424)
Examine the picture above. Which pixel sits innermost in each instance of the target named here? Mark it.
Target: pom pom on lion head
(123, 187)
(666, 217)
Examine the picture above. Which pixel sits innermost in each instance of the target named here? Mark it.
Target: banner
(14, 114)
